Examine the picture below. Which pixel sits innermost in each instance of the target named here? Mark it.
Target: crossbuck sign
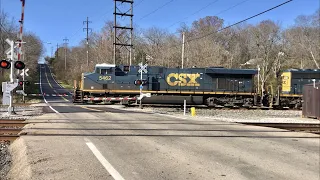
(25, 72)
(143, 68)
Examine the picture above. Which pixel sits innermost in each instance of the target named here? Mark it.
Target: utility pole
(183, 43)
(121, 12)
(87, 29)
(66, 40)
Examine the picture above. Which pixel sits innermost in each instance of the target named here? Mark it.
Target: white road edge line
(112, 171)
(43, 94)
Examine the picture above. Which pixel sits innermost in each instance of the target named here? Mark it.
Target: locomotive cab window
(126, 68)
(105, 71)
(119, 72)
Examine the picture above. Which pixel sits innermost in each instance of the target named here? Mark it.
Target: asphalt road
(83, 142)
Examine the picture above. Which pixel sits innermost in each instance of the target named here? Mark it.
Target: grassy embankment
(64, 84)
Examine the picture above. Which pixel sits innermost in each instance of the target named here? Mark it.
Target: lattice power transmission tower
(123, 9)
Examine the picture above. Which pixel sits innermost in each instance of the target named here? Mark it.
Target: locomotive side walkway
(75, 142)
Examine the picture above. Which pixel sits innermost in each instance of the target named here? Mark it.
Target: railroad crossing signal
(21, 92)
(140, 82)
(5, 64)
(143, 68)
(7, 87)
(21, 83)
(19, 65)
(144, 95)
(9, 52)
(24, 71)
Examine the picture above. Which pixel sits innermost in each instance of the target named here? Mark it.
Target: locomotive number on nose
(104, 78)
(183, 79)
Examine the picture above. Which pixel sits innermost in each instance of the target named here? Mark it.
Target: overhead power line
(239, 22)
(223, 11)
(196, 12)
(157, 9)
(138, 3)
(97, 18)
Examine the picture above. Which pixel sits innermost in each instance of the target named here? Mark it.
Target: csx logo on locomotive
(183, 79)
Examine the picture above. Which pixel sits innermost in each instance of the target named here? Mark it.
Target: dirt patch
(5, 160)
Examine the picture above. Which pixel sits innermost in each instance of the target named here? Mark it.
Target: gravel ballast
(237, 115)
(22, 112)
(5, 160)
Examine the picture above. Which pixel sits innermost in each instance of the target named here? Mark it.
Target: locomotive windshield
(105, 71)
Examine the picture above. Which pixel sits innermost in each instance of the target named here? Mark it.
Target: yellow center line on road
(48, 81)
(61, 96)
(65, 99)
(54, 89)
(97, 110)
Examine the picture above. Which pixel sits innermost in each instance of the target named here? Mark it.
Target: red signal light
(19, 65)
(23, 82)
(5, 64)
(140, 82)
(137, 82)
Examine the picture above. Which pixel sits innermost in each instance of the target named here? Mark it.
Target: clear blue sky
(53, 20)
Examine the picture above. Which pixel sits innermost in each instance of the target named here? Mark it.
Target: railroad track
(298, 127)
(211, 107)
(10, 129)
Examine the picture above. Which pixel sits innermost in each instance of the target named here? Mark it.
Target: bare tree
(304, 39)
(265, 42)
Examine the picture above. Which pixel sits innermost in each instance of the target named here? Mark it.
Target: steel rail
(305, 127)
(10, 130)
(9, 138)
(8, 124)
